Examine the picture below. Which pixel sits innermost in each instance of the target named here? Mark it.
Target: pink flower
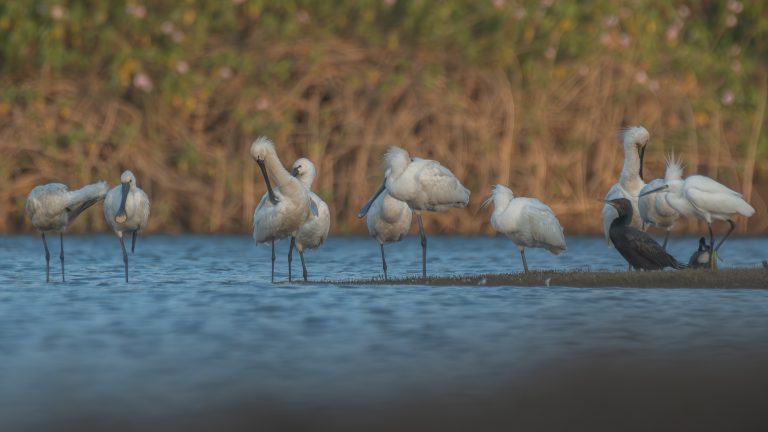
(225, 72)
(390, 2)
(143, 82)
(182, 67)
(731, 21)
(727, 97)
(138, 11)
(498, 4)
(58, 12)
(262, 103)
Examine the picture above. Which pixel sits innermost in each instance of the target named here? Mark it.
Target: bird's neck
(630, 173)
(276, 172)
(622, 220)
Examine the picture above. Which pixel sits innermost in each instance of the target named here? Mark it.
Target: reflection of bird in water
(637, 247)
(700, 258)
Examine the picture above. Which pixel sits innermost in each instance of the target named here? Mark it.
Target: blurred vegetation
(526, 93)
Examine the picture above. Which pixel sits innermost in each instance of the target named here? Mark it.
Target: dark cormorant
(700, 258)
(637, 247)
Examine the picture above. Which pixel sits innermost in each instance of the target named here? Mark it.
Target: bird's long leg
(722, 240)
(47, 260)
(525, 263)
(383, 260)
(423, 246)
(125, 256)
(303, 266)
(61, 255)
(711, 243)
(133, 241)
(290, 256)
(666, 238)
(273, 260)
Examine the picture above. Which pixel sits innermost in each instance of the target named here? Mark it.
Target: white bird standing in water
(654, 208)
(284, 209)
(52, 207)
(424, 185)
(388, 221)
(126, 209)
(701, 197)
(314, 231)
(635, 139)
(526, 221)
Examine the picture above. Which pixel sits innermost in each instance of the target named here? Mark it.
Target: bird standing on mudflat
(388, 221)
(314, 231)
(526, 221)
(126, 209)
(637, 247)
(424, 185)
(53, 207)
(653, 207)
(700, 258)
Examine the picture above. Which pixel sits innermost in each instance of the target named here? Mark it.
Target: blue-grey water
(199, 326)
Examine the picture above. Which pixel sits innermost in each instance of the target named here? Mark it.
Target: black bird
(637, 247)
(700, 258)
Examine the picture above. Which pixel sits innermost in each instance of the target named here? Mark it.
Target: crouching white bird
(388, 221)
(528, 222)
(314, 231)
(634, 139)
(424, 185)
(701, 197)
(53, 207)
(653, 207)
(126, 209)
(283, 209)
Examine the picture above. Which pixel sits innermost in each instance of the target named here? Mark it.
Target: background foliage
(526, 93)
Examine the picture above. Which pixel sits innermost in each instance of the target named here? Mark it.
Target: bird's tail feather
(677, 265)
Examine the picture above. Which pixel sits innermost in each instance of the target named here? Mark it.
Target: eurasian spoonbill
(52, 207)
(424, 185)
(282, 209)
(637, 247)
(126, 209)
(634, 138)
(388, 221)
(314, 231)
(654, 208)
(528, 222)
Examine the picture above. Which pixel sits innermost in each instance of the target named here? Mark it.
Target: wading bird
(635, 139)
(637, 247)
(388, 221)
(52, 207)
(282, 209)
(126, 209)
(424, 185)
(654, 208)
(700, 258)
(314, 231)
(526, 221)
(701, 197)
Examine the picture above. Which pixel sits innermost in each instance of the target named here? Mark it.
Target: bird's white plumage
(654, 208)
(423, 184)
(284, 218)
(52, 207)
(136, 206)
(314, 231)
(388, 219)
(712, 200)
(528, 222)
(629, 185)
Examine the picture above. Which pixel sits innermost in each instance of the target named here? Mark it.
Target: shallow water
(199, 325)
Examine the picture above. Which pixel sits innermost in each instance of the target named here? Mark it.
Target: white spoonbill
(314, 231)
(52, 207)
(388, 221)
(126, 209)
(701, 197)
(526, 221)
(634, 138)
(424, 185)
(282, 209)
(654, 208)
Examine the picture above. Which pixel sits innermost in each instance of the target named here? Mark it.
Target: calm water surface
(199, 324)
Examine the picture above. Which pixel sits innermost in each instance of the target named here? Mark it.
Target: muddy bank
(725, 278)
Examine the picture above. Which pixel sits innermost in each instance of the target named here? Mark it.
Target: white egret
(701, 197)
(653, 208)
(314, 231)
(388, 221)
(526, 221)
(52, 207)
(424, 185)
(634, 138)
(282, 209)
(126, 209)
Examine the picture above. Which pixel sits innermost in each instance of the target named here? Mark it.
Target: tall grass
(530, 94)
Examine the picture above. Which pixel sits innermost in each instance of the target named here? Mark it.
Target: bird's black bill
(121, 216)
(367, 206)
(641, 153)
(658, 189)
(263, 168)
(295, 172)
